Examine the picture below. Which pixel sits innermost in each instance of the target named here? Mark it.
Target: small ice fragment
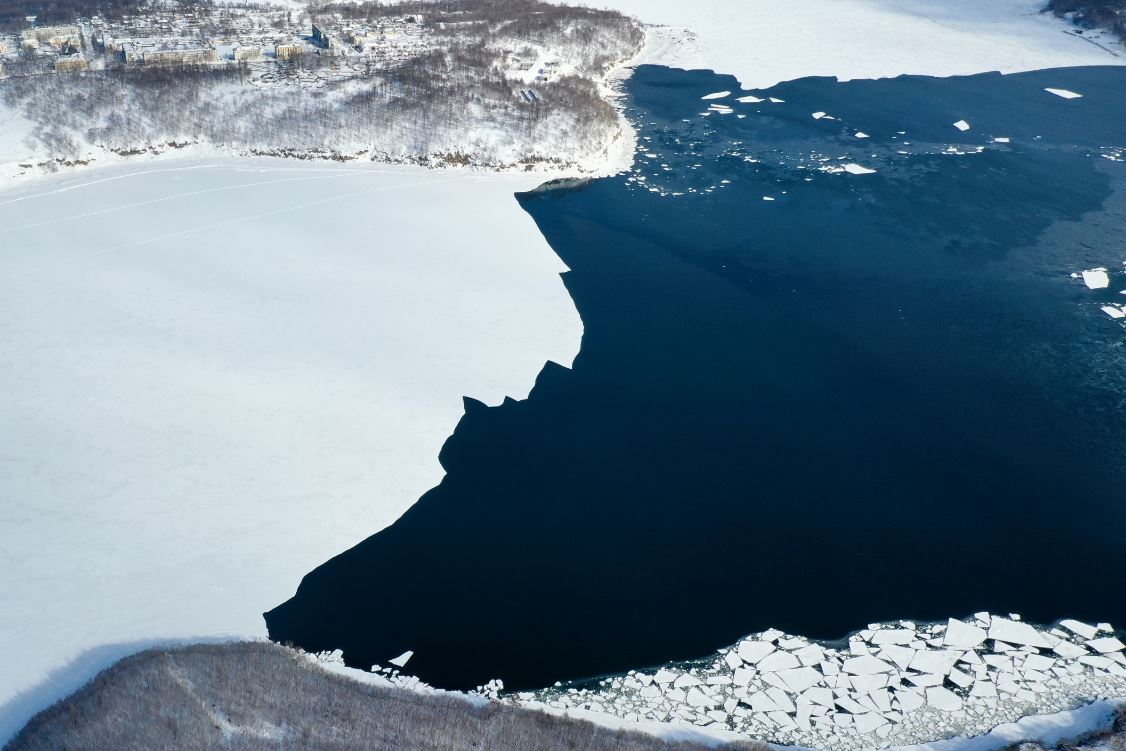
(1096, 278)
(716, 95)
(856, 169)
(1079, 627)
(1002, 140)
(767, 198)
(819, 115)
(1109, 643)
(1114, 312)
(862, 134)
(749, 99)
(402, 659)
(1064, 93)
(777, 101)
(962, 125)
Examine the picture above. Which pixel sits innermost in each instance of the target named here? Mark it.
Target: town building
(288, 51)
(71, 63)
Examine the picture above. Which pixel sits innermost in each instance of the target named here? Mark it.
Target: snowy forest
(454, 99)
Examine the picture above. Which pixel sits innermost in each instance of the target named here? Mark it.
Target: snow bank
(763, 42)
(217, 376)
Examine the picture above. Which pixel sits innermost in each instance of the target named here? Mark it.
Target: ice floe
(1096, 278)
(716, 95)
(749, 99)
(962, 125)
(856, 169)
(889, 685)
(1064, 93)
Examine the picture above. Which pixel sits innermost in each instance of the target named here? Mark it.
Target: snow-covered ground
(763, 42)
(218, 376)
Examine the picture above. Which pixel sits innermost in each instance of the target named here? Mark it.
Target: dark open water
(877, 396)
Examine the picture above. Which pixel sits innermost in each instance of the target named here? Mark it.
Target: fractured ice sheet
(1064, 93)
(892, 684)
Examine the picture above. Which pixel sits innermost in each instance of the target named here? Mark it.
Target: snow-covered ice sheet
(217, 376)
(763, 42)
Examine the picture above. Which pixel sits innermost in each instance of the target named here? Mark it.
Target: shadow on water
(866, 399)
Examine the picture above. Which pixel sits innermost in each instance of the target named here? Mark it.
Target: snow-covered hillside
(217, 377)
(763, 42)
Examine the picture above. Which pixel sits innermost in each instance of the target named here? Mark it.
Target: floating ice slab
(1114, 312)
(749, 99)
(862, 134)
(776, 661)
(1015, 632)
(1064, 93)
(402, 659)
(1096, 278)
(1002, 140)
(753, 651)
(856, 169)
(1079, 627)
(943, 699)
(962, 635)
(962, 125)
(866, 665)
(1109, 643)
(716, 95)
(819, 115)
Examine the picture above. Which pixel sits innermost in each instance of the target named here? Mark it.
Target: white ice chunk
(775, 100)
(821, 696)
(984, 690)
(697, 698)
(664, 676)
(1015, 632)
(402, 659)
(901, 656)
(866, 665)
(753, 651)
(856, 169)
(1002, 140)
(893, 636)
(819, 115)
(862, 134)
(865, 683)
(1064, 93)
(716, 95)
(927, 679)
(960, 679)
(1107, 643)
(938, 661)
(1114, 312)
(961, 635)
(776, 661)
(799, 679)
(760, 702)
(849, 705)
(1068, 649)
(749, 99)
(743, 676)
(962, 125)
(686, 681)
(733, 661)
(866, 723)
(943, 699)
(910, 700)
(1096, 279)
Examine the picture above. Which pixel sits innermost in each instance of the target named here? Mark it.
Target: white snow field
(217, 376)
(764, 42)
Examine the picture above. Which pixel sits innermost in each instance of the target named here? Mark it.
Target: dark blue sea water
(876, 396)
